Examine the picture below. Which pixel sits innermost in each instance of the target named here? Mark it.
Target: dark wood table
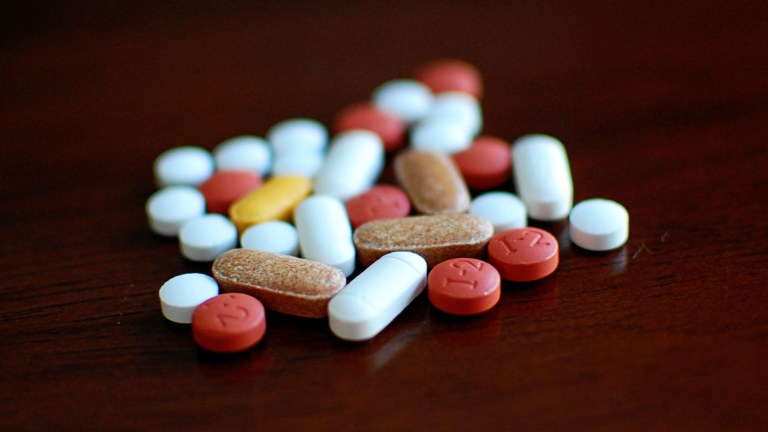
(662, 108)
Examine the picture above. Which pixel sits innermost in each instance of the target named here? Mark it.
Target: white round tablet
(181, 294)
(169, 208)
(503, 209)
(303, 134)
(460, 108)
(440, 135)
(599, 224)
(206, 237)
(407, 99)
(274, 236)
(245, 152)
(297, 162)
(183, 166)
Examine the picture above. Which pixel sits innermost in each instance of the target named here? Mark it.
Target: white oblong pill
(206, 237)
(169, 208)
(297, 162)
(543, 176)
(302, 134)
(406, 99)
(460, 108)
(352, 166)
(440, 135)
(325, 234)
(374, 298)
(503, 209)
(183, 166)
(273, 236)
(599, 224)
(245, 152)
(180, 295)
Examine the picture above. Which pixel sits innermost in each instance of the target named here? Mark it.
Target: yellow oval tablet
(274, 200)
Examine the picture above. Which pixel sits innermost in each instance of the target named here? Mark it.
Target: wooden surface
(662, 108)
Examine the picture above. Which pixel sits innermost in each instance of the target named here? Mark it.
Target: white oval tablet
(440, 135)
(543, 176)
(245, 152)
(181, 294)
(407, 99)
(206, 237)
(325, 234)
(302, 134)
(374, 298)
(503, 209)
(352, 166)
(183, 166)
(169, 208)
(461, 109)
(599, 224)
(274, 236)
(297, 162)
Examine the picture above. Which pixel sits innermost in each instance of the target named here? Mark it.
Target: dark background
(663, 108)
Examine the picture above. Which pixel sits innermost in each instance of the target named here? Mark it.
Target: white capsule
(302, 134)
(325, 234)
(599, 224)
(543, 176)
(407, 99)
(503, 209)
(183, 166)
(440, 135)
(373, 299)
(206, 237)
(169, 208)
(180, 295)
(459, 108)
(297, 162)
(273, 236)
(245, 152)
(352, 166)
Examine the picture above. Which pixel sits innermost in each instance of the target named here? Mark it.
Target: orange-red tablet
(451, 75)
(364, 115)
(379, 202)
(486, 164)
(228, 323)
(224, 187)
(464, 286)
(524, 254)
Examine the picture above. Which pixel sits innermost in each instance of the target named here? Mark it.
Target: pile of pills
(305, 209)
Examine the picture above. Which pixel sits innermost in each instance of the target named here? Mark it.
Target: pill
(297, 162)
(283, 283)
(364, 115)
(599, 224)
(224, 187)
(464, 286)
(524, 254)
(206, 237)
(229, 323)
(353, 164)
(377, 296)
(273, 236)
(274, 200)
(451, 75)
(486, 164)
(432, 182)
(459, 108)
(503, 209)
(183, 166)
(170, 207)
(325, 235)
(407, 99)
(180, 295)
(436, 237)
(302, 134)
(245, 152)
(440, 135)
(543, 176)
(380, 202)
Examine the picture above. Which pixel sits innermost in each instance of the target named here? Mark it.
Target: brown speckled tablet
(285, 284)
(434, 237)
(432, 181)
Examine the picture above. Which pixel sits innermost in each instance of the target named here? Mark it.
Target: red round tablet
(524, 254)
(451, 75)
(486, 164)
(364, 115)
(224, 187)
(228, 323)
(464, 286)
(378, 202)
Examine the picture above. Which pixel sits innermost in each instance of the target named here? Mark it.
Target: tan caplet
(432, 181)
